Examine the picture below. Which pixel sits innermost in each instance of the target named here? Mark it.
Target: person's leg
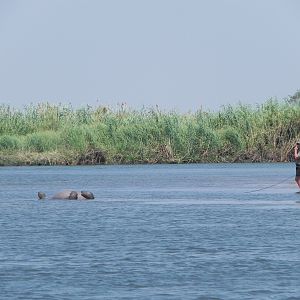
(297, 179)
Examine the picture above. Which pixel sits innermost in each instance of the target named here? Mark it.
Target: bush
(42, 141)
(9, 142)
(74, 138)
(230, 139)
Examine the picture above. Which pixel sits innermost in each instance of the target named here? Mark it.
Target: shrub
(9, 142)
(42, 141)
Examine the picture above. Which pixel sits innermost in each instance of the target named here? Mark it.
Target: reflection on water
(153, 232)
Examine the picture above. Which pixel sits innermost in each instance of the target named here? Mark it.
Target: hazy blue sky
(178, 54)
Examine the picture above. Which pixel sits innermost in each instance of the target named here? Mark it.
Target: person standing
(297, 161)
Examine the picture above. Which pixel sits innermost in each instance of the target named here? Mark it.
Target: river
(198, 231)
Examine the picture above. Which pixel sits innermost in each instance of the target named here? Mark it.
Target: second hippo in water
(69, 195)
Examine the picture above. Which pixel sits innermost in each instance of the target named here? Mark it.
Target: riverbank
(46, 134)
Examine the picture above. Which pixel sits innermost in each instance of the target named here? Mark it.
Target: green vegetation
(56, 134)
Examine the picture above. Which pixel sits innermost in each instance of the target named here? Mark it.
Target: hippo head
(87, 195)
(41, 195)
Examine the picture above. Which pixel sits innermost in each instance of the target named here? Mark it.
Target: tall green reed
(264, 132)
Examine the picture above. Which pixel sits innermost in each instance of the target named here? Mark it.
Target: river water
(198, 231)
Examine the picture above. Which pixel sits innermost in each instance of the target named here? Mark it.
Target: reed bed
(47, 134)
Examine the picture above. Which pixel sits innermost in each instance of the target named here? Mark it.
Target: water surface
(199, 231)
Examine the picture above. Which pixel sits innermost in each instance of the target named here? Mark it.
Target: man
(297, 161)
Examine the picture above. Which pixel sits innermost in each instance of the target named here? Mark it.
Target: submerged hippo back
(73, 195)
(69, 195)
(62, 195)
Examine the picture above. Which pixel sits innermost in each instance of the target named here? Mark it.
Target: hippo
(69, 195)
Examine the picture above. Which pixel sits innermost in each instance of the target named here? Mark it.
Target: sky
(181, 55)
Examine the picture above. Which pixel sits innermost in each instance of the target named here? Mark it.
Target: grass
(57, 134)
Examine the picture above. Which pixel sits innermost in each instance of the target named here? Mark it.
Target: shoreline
(42, 159)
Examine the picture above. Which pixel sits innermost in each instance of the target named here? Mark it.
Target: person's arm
(296, 152)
